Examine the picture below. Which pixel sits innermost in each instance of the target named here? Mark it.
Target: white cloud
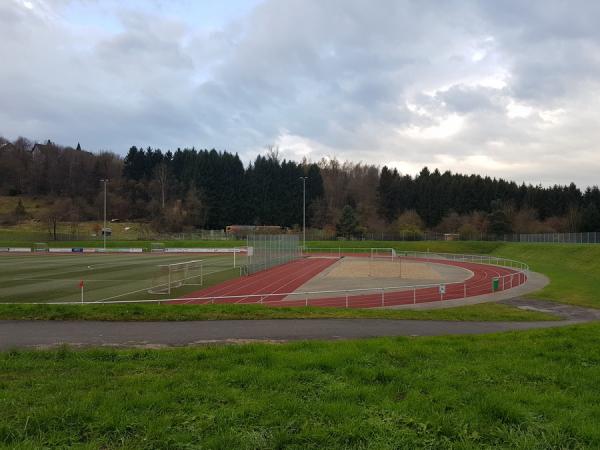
(446, 128)
(502, 88)
(515, 110)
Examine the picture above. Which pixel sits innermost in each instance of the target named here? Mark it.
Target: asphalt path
(19, 334)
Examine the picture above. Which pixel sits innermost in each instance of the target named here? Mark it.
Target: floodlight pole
(105, 180)
(303, 212)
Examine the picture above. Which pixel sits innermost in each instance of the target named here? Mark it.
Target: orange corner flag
(81, 284)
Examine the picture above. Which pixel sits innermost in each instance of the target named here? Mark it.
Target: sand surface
(364, 273)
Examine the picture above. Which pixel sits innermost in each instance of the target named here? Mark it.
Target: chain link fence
(268, 250)
(559, 238)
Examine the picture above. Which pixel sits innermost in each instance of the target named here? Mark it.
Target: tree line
(193, 188)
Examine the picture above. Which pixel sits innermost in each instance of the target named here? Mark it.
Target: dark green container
(495, 284)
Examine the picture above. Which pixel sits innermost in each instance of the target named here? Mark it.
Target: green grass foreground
(530, 390)
(148, 312)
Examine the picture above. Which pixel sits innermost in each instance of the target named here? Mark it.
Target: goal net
(40, 247)
(383, 253)
(157, 247)
(172, 276)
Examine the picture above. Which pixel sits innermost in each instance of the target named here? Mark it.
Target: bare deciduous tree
(162, 176)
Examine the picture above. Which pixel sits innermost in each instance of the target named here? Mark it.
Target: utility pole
(303, 212)
(104, 180)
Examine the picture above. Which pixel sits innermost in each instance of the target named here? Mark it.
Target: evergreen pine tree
(590, 220)
(347, 226)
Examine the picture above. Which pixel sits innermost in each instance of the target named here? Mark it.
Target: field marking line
(308, 271)
(78, 279)
(226, 288)
(146, 288)
(259, 279)
(130, 264)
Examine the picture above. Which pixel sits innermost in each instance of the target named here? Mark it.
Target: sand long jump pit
(356, 273)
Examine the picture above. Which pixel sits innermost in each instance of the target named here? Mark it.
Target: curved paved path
(15, 334)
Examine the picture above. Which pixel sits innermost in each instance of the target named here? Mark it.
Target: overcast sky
(504, 88)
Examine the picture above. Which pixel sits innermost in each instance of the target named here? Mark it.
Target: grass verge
(148, 312)
(534, 390)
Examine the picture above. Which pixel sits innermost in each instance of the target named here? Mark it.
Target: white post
(303, 211)
(400, 263)
(105, 180)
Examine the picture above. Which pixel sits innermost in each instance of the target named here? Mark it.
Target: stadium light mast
(303, 212)
(104, 180)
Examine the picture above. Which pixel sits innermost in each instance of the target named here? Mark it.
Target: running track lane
(283, 279)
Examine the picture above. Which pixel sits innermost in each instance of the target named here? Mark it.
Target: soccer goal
(40, 247)
(176, 275)
(383, 253)
(157, 247)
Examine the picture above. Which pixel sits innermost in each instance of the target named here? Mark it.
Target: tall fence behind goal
(270, 250)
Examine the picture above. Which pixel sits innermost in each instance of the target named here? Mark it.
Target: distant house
(39, 148)
(7, 147)
(42, 148)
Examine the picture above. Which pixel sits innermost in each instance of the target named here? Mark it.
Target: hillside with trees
(189, 188)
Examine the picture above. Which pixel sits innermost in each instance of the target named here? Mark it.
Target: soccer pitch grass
(106, 277)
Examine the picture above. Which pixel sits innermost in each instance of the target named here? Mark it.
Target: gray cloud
(503, 88)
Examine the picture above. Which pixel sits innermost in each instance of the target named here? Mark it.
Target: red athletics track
(288, 277)
(284, 279)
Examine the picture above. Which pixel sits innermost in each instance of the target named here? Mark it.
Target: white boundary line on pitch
(104, 300)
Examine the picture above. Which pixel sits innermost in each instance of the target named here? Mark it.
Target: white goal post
(383, 253)
(173, 276)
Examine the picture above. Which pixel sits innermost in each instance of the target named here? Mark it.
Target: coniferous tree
(590, 219)
(347, 226)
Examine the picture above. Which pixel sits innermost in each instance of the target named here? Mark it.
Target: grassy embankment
(146, 312)
(531, 390)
